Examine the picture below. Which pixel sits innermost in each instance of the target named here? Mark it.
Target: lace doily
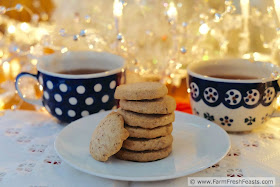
(28, 157)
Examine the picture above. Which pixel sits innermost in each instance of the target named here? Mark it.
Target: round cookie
(138, 132)
(143, 156)
(141, 91)
(147, 121)
(108, 137)
(140, 144)
(164, 105)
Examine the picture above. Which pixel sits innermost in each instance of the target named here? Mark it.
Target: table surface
(28, 157)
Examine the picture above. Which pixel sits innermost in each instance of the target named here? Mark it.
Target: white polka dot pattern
(63, 87)
(69, 100)
(41, 80)
(85, 113)
(81, 89)
(57, 97)
(71, 113)
(46, 95)
(89, 101)
(49, 85)
(58, 111)
(112, 84)
(105, 99)
(73, 101)
(97, 88)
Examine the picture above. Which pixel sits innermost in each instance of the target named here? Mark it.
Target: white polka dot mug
(236, 94)
(69, 97)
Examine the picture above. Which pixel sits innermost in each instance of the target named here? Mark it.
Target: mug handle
(31, 101)
(276, 113)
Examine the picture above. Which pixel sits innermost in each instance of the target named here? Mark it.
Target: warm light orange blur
(179, 93)
(15, 67)
(278, 102)
(1, 104)
(8, 72)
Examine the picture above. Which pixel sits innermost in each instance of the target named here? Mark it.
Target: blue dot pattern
(231, 99)
(226, 121)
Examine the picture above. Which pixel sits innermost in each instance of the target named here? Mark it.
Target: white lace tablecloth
(28, 158)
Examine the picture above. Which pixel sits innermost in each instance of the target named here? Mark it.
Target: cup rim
(205, 77)
(83, 76)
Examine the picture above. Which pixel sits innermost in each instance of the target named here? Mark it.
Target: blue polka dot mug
(69, 97)
(236, 94)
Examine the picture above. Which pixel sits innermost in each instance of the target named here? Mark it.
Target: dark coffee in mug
(235, 77)
(82, 71)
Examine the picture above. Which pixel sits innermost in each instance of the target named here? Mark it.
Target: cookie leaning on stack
(107, 139)
(148, 114)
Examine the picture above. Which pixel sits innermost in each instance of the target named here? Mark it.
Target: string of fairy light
(117, 12)
(19, 8)
(118, 6)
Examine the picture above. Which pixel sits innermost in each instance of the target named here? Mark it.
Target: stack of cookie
(148, 114)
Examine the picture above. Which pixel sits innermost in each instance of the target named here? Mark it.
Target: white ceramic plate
(198, 144)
